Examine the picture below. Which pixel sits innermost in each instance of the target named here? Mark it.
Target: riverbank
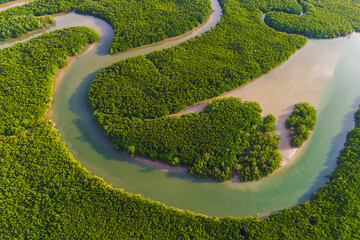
(211, 18)
(61, 73)
(12, 4)
(280, 89)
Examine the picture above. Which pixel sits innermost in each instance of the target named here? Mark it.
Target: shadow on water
(86, 124)
(188, 178)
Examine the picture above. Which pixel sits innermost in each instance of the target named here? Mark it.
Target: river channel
(325, 73)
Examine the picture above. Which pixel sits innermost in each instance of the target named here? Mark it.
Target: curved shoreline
(60, 75)
(12, 4)
(172, 172)
(62, 72)
(273, 93)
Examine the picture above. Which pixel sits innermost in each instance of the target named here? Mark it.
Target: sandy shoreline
(276, 91)
(279, 90)
(4, 6)
(62, 72)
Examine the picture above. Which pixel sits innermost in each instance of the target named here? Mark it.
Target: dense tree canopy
(288, 6)
(300, 122)
(321, 18)
(46, 194)
(228, 137)
(27, 75)
(15, 26)
(4, 1)
(140, 22)
(135, 22)
(129, 96)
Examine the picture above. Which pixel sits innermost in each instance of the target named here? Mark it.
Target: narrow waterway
(12, 4)
(330, 68)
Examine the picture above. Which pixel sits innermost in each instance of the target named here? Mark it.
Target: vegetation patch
(4, 1)
(130, 96)
(46, 190)
(288, 6)
(228, 137)
(300, 122)
(15, 26)
(27, 75)
(46, 194)
(135, 23)
(141, 22)
(321, 19)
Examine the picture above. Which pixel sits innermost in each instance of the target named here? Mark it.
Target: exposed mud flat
(302, 78)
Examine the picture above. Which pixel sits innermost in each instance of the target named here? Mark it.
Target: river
(12, 4)
(328, 70)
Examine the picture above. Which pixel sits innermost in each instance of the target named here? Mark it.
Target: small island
(301, 121)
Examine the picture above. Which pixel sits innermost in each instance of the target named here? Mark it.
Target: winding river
(12, 4)
(325, 73)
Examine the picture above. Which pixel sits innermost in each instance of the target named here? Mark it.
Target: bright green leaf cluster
(130, 95)
(300, 122)
(4, 1)
(15, 26)
(141, 22)
(228, 137)
(27, 75)
(321, 19)
(46, 190)
(135, 22)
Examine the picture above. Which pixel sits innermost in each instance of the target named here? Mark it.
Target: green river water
(172, 186)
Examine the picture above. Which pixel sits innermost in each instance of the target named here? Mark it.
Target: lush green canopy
(321, 18)
(228, 137)
(46, 194)
(15, 26)
(4, 1)
(27, 75)
(129, 96)
(300, 122)
(135, 22)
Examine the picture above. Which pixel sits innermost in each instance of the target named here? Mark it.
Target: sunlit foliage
(321, 18)
(135, 23)
(129, 95)
(4, 1)
(228, 137)
(46, 194)
(27, 75)
(300, 122)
